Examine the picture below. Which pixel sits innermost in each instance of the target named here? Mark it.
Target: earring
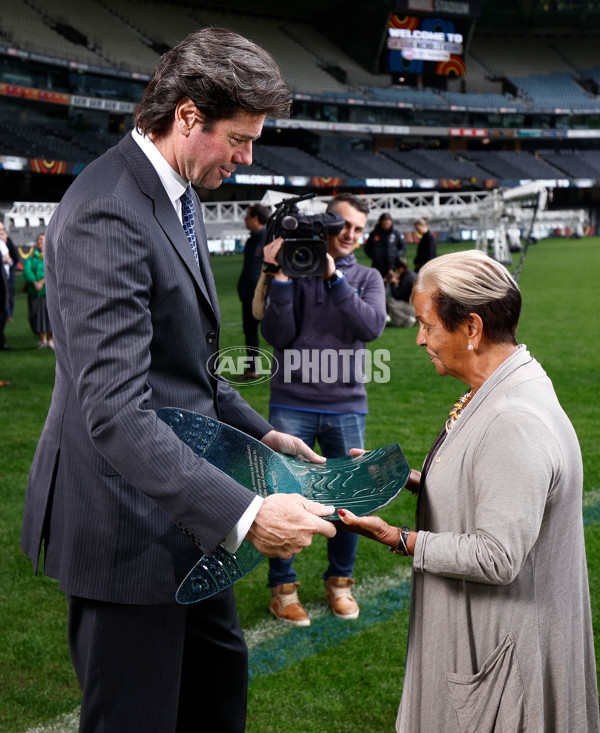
(470, 347)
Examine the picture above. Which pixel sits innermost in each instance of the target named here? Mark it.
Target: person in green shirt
(33, 272)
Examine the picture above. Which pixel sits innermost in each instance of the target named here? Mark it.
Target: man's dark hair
(223, 74)
(355, 201)
(261, 212)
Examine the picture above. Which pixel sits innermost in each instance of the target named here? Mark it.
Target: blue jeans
(336, 433)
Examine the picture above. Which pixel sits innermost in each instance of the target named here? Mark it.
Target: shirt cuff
(235, 537)
(341, 289)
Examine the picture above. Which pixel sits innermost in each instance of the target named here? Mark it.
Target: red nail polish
(342, 512)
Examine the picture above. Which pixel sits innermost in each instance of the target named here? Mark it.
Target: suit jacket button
(211, 337)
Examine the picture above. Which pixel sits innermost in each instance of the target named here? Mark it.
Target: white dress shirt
(4, 251)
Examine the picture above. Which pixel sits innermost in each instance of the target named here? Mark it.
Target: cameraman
(318, 327)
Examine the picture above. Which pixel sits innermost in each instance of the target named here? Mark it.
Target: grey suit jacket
(134, 322)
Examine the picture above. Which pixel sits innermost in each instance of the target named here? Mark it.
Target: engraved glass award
(363, 484)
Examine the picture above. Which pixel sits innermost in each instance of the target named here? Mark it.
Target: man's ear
(186, 116)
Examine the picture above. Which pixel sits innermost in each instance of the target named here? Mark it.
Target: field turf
(334, 677)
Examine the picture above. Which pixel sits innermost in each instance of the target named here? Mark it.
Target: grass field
(334, 677)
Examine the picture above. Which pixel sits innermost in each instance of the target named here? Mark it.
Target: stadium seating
(555, 90)
(576, 164)
(131, 36)
(78, 146)
(512, 165)
(436, 164)
(114, 42)
(505, 56)
(28, 28)
(416, 98)
(53, 142)
(291, 161)
(301, 65)
(147, 18)
(363, 164)
(473, 101)
(577, 51)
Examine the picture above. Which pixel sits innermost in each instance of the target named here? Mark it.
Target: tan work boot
(286, 606)
(342, 602)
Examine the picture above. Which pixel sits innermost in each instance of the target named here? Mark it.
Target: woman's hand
(375, 529)
(372, 527)
(414, 481)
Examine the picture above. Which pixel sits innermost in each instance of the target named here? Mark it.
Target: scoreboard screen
(428, 46)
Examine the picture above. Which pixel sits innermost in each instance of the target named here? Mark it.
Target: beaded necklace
(457, 408)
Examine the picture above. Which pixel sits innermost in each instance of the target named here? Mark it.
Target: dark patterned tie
(187, 216)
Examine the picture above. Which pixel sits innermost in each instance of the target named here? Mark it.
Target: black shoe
(6, 347)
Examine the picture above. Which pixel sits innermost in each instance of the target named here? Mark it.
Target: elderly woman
(500, 634)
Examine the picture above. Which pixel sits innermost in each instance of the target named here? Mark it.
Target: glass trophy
(363, 485)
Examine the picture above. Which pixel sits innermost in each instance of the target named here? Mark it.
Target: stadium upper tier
(130, 36)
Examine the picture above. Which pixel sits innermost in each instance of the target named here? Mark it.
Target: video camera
(303, 252)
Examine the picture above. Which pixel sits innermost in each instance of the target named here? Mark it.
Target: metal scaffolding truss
(436, 206)
(499, 212)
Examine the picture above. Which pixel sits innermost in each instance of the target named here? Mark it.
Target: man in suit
(8, 262)
(136, 320)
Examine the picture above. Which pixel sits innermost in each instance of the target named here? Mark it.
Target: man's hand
(330, 267)
(270, 252)
(286, 523)
(292, 446)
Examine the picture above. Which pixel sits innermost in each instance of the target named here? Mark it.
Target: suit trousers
(162, 668)
(250, 326)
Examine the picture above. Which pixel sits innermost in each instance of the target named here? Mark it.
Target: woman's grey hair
(472, 282)
(223, 74)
